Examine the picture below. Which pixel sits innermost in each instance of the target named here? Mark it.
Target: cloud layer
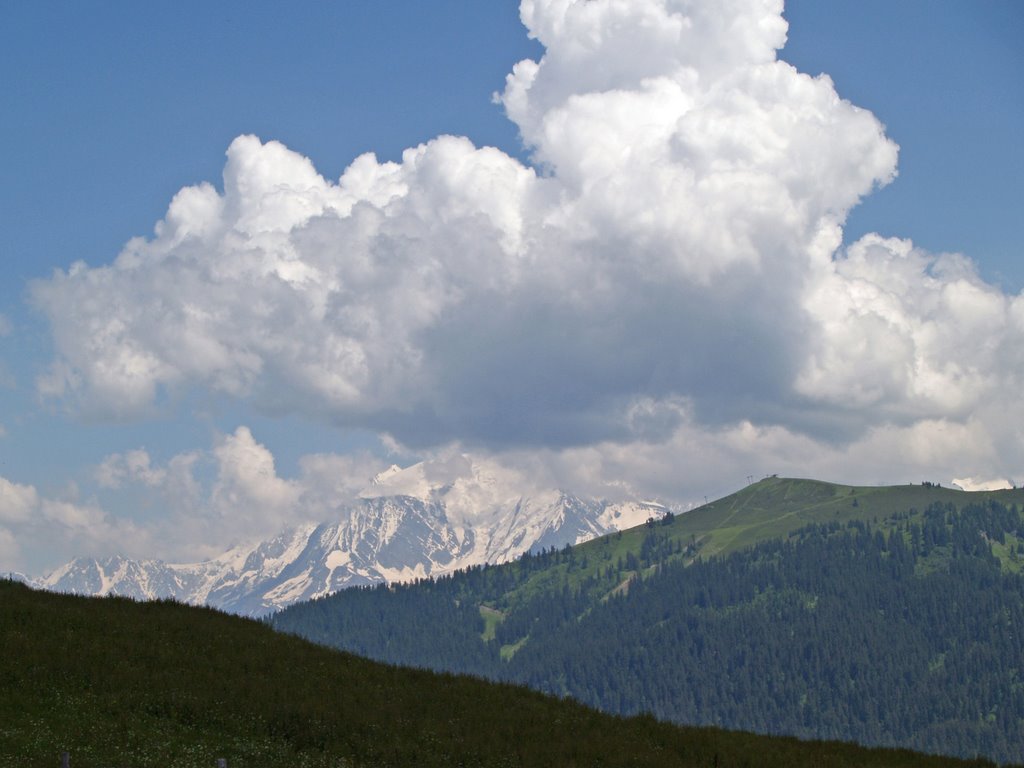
(664, 288)
(30, 522)
(207, 499)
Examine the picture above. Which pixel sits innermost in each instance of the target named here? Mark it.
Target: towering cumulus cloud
(668, 271)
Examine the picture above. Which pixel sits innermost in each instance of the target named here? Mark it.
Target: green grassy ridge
(771, 508)
(120, 683)
(775, 507)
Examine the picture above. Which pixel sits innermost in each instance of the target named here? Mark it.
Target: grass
(1011, 560)
(508, 651)
(776, 507)
(492, 618)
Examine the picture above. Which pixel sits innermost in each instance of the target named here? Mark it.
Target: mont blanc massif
(403, 527)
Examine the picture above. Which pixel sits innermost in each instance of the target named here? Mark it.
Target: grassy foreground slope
(119, 683)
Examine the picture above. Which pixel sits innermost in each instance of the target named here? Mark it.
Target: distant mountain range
(403, 527)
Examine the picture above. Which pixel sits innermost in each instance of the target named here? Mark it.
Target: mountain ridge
(434, 528)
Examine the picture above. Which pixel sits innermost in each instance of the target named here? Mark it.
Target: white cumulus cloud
(9, 549)
(208, 499)
(248, 485)
(670, 274)
(17, 502)
(133, 465)
(64, 527)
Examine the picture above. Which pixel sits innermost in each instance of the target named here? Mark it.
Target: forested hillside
(880, 626)
(162, 685)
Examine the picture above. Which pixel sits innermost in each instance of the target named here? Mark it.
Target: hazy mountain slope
(116, 682)
(899, 629)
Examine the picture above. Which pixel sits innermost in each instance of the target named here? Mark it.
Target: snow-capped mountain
(406, 525)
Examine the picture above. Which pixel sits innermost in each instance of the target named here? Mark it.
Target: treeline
(905, 631)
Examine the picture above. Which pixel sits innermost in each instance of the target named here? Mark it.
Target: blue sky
(111, 109)
(944, 77)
